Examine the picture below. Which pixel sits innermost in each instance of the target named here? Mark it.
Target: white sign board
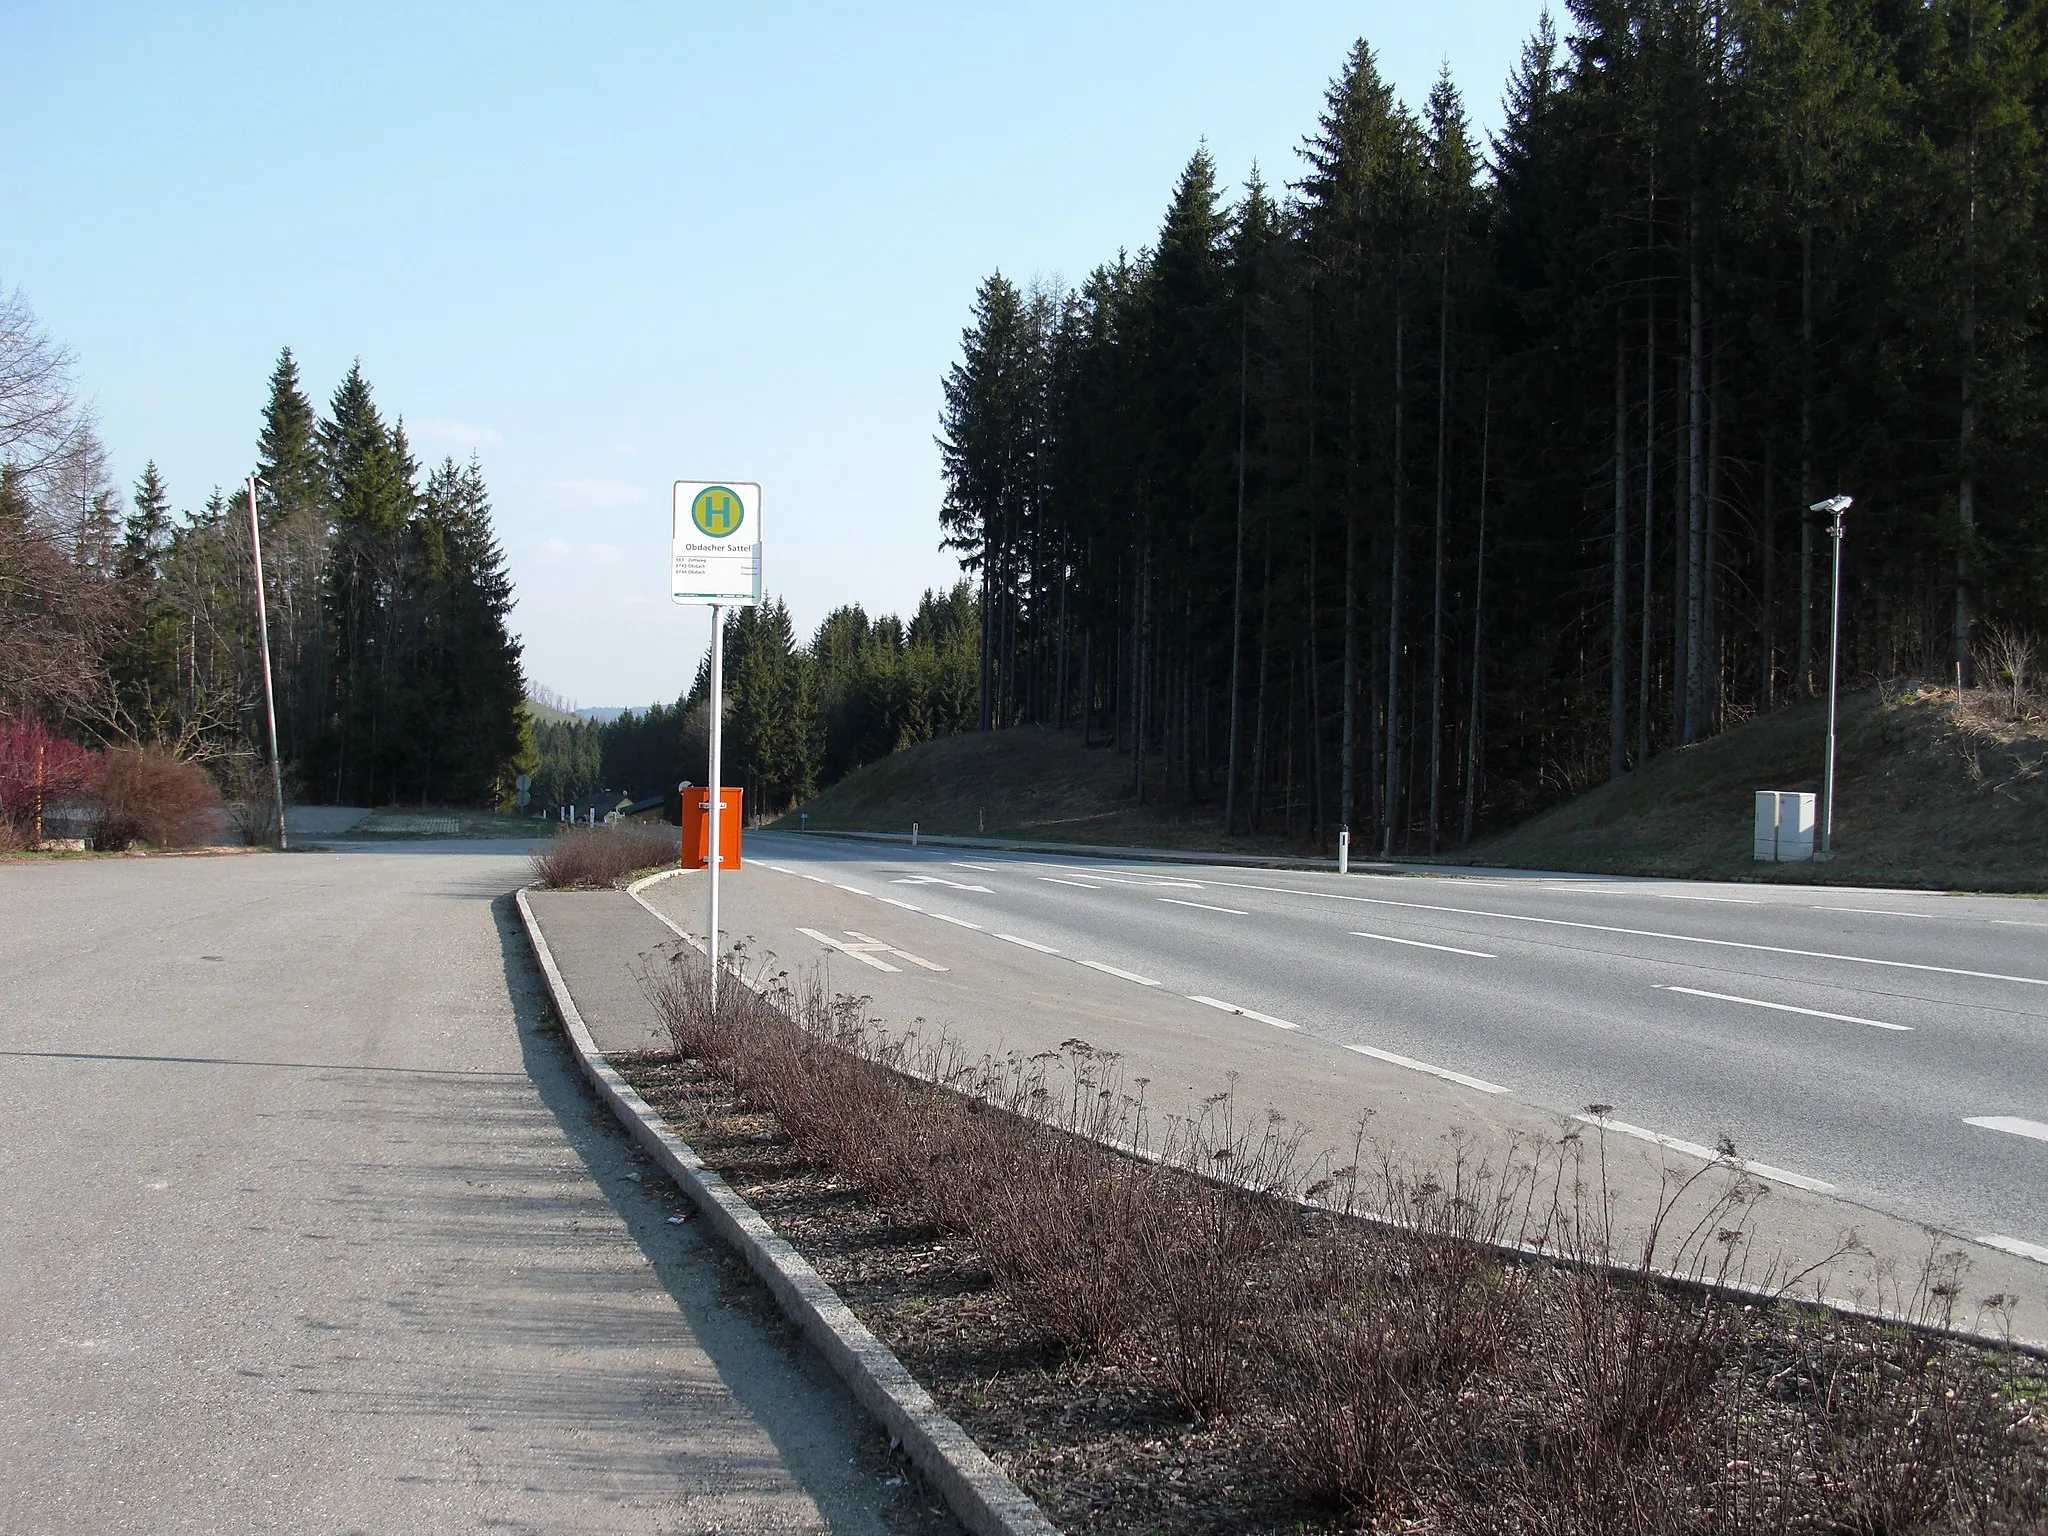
(716, 550)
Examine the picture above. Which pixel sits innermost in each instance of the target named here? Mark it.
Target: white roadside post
(1835, 506)
(263, 630)
(715, 559)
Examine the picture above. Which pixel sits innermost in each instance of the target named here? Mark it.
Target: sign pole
(717, 782)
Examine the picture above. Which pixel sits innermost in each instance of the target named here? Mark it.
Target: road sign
(524, 781)
(715, 551)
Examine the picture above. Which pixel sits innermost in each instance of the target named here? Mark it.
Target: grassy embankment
(1927, 796)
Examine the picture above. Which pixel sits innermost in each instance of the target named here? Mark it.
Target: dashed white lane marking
(2012, 1125)
(2014, 1246)
(1097, 965)
(1643, 933)
(962, 864)
(906, 906)
(1812, 1013)
(819, 878)
(1150, 884)
(1708, 1154)
(1043, 949)
(957, 922)
(2014, 922)
(1077, 884)
(1449, 949)
(1422, 1066)
(1204, 906)
(940, 880)
(1244, 1013)
(1925, 917)
(856, 890)
(778, 868)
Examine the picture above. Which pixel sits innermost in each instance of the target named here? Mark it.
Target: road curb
(978, 1492)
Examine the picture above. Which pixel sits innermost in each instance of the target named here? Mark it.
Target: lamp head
(1834, 505)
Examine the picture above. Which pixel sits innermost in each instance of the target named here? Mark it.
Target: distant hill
(1926, 797)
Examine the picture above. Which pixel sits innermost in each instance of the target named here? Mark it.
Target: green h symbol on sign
(716, 511)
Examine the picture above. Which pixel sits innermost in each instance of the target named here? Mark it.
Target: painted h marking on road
(1812, 1013)
(865, 947)
(1449, 949)
(2012, 1125)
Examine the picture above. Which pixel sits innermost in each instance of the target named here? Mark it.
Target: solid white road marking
(819, 878)
(1757, 1002)
(1925, 917)
(1154, 885)
(940, 880)
(1077, 884)
(2014, 1246)
(1043, 949)
(779, 869)
(858, 951)
(1204, 906)
(2011, 1124)
(889, 949)
(1624, 890)
(985, 868)
(1246, 1013)
(856, 890)
(1422, 1066)
(1708, 1154)
(906, 906)
(1449, 949)
(1643, 933)
(957, 922)
(1097, 965)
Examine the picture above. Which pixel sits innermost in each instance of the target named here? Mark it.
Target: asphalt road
(306, 1225)
(1849, 1040)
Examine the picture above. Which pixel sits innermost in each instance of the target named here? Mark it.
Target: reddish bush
(36, 763)
(604, 856)
(148, 795)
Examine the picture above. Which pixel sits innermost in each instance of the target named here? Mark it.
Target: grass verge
(1224, 1334)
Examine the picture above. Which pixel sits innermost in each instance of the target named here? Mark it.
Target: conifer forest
(126, 624)
(1441, 479)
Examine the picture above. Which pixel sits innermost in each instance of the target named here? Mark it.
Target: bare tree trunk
(1478, 620)
(1236, 591)
(1767, 606)
(1259, 698)
(1643, 658)
(1617, 691)
(1805, 681)
(1966, 445)
(1347, 755)
(1695, 481)
(1394, 608)
(1710, 615)
(1436, 623)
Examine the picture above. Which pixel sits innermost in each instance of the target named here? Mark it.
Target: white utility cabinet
(1784, 825)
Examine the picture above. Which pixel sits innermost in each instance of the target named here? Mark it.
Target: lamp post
(1834, 506)
(263, 630)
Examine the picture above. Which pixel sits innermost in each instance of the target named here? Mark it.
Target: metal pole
(717, 808)
(1827, 825)
(263, 631)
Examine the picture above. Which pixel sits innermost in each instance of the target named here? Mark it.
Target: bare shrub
(148, 795)
(2005, 657)
(249, 800)
(599, 857)
(37, 768)
(1424, 1364)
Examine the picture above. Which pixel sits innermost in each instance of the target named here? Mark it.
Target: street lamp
(263, 630)
(1834, 506)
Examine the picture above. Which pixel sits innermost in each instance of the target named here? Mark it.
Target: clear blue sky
(610, 247)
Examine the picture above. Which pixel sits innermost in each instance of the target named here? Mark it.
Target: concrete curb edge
(978, 1492)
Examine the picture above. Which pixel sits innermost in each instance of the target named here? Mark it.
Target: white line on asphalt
(778, 868)
(882, 947)
(1757, 1002)
(1624, 890)
(906, 906)
(2011, 1124)
(1449, 949)
(1244, 1013)
(2014, 922)
(1077, 884)
(963, 864)
(2014, 1246)
(1422, 1066)
(1097, 965)
(1708, 1154)
(1642, 933)
(1150, 884)
(1925, 917)
(819, 878)
(858, 952)
(1043, 949)
(957, 922)
(1204, 906)
(853, 888)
